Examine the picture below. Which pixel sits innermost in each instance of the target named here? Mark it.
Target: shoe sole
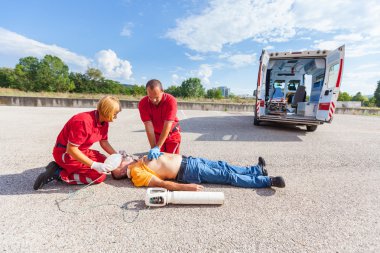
(50, 169)
(39, 182)
(263, 164)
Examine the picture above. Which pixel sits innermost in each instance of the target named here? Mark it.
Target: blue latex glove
(154, 153)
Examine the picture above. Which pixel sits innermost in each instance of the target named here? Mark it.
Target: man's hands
(101, 167)
(154, 153)
(195, 187)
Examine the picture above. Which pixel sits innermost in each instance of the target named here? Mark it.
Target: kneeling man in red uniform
(75, 162)
(158, 111)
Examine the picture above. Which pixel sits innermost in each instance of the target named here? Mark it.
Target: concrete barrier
(206, 106)
(349, 104)
(358, 111)
(90, 103)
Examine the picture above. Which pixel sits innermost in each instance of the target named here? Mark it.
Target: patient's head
(121, 171)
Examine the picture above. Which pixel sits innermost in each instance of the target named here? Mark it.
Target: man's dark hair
(153, 84)
(118, 177)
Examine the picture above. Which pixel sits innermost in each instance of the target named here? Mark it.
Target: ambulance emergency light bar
(160, 197)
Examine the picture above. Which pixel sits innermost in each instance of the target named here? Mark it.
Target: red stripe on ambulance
(324, 106)
(259, 79)
(339, 73)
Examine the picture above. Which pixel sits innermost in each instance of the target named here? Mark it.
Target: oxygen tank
(162, 197)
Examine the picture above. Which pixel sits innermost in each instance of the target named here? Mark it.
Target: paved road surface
(331, 202)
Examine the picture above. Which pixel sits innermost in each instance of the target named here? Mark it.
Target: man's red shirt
(83, 130)
(165, 111)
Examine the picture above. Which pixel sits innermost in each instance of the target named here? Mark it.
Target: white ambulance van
(299, 88)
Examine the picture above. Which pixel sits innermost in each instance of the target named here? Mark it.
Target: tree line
(52, 74)
(365, 101)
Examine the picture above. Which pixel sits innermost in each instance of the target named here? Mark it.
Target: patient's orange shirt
(141, 174)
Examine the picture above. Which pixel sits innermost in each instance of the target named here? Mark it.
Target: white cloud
(227, 22)
(326, 24)
(175, 76)
(20, 46)
(204, 73)
(269, 48)
(241, 60)
(365, 82)
(354, 23)
(127, 30)
(368, 66)
(195, 57)
(113, 67)
(232, 21)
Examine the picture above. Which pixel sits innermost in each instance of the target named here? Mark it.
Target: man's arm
(165, 132)
(107, 147)
(149, 129)
(173, 186)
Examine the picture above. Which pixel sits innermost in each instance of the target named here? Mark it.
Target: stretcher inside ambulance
(298, 88)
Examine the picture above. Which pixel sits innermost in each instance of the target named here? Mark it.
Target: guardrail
(206, 106)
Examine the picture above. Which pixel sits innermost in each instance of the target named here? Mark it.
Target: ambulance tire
(256, 122)
(311, 128)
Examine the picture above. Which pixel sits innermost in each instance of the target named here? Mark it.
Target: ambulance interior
(293, 87)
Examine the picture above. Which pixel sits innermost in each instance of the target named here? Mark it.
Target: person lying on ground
(189, 172)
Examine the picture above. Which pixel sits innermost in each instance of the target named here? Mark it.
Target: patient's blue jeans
(199, 170)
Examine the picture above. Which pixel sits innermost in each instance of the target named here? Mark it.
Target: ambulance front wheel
(256, 122)
(311, 128)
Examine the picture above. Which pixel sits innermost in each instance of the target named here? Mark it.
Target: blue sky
(219, 41)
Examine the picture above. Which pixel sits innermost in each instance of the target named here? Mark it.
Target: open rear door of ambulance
(260, 92)
(330, 90)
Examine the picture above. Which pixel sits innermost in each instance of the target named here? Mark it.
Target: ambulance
(299, 88)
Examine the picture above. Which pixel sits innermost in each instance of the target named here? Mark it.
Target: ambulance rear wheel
(311, 128)
(256, 122)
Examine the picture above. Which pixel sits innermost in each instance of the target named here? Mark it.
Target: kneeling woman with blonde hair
(75, 162)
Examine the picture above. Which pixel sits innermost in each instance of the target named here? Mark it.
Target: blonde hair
(108, 106)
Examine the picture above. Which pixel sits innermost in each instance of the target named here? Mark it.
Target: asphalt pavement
(331, 201)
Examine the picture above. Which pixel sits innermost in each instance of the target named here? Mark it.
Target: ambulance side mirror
(254, 93)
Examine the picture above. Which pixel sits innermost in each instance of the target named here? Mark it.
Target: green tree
(371, 102)
(82, 83)
(192, 87)
(138, 90)
(53, 75)
(344, 96)
(26, 73)
(94, 74)
(214, 93)
(8, 78)
(174, 90)
(377, 94)
(358, 97)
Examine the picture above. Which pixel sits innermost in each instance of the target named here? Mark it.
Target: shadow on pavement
(240, 128)
(265, 192)
(22, 183)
